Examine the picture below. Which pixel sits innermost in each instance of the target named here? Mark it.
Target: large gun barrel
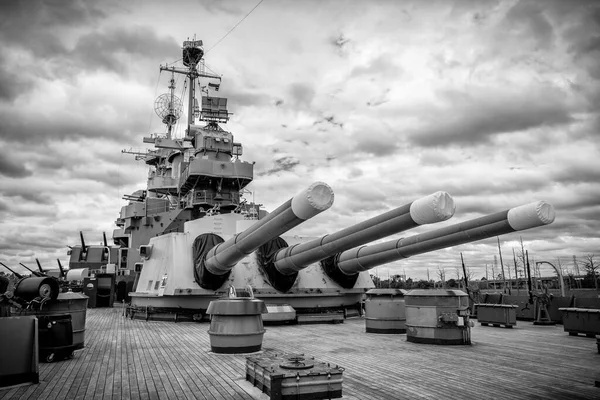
(516, 219)
(433, 208)
(316, 198)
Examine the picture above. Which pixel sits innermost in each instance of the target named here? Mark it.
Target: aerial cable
(231, 30)
(174, 62)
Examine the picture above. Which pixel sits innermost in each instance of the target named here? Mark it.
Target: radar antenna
(169, 107)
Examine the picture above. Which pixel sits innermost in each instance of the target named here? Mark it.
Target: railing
(199, 196)
(157, 207)
(162, 182)
(185, 173)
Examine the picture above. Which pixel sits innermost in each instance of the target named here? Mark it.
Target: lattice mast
(192, 58)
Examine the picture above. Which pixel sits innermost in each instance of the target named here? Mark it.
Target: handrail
(560, 277)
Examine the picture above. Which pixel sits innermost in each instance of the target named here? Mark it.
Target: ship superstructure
(191, 177)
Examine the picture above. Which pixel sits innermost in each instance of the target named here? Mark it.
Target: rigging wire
(178, 125)
(210, 69)
(235, 26)
(174, 62)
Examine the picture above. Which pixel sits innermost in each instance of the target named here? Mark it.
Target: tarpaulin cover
(202, 244)
(265, 256)
(332, 270)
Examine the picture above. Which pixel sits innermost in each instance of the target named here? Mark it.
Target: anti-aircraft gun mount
(30, 292)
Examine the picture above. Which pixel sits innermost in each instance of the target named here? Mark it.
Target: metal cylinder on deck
(437, 316)
(32, 287)
(385, 311)
(236, 325)
(71, 303)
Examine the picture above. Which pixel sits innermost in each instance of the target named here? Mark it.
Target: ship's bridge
(211, 177)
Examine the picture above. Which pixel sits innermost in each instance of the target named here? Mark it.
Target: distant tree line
(587, 277)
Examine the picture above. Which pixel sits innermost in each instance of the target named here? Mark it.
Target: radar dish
(168, 107)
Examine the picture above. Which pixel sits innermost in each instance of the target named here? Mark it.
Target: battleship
(190, 235)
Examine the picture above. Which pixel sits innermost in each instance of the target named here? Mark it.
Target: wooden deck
(133, 359)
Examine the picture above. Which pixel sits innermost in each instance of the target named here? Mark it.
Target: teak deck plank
(136, 359)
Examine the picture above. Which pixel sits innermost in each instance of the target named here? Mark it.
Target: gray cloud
(282, 164)
(475, 117)
(302, 94)
(377, 145)
(44, 128)
(25, 241)
(29, 194)
(25, 21)
(531, 17)
(11, 168)
(576, 173)
(239, 97)
(12, 83)
(225, 7)
(381, 67)
(539, 61)
(47, 33)
(111, 176)
(97, 50)
(329, 120)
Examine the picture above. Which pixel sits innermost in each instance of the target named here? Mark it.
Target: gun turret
(351, 262)
(214, 266)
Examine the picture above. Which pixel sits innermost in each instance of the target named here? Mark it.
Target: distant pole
(576, 271)
(516, 272)
(494, 265)
(487, 280)
(502, 266)
(523, 256)
(529, 277)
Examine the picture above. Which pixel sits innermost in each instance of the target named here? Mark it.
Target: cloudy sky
(495, 102)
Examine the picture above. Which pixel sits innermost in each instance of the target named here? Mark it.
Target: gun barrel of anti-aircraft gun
(62, 271)
(33, 273)
(83, 248)
(316, 198)
(430, 209)
(516, 219)
(14, 273)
